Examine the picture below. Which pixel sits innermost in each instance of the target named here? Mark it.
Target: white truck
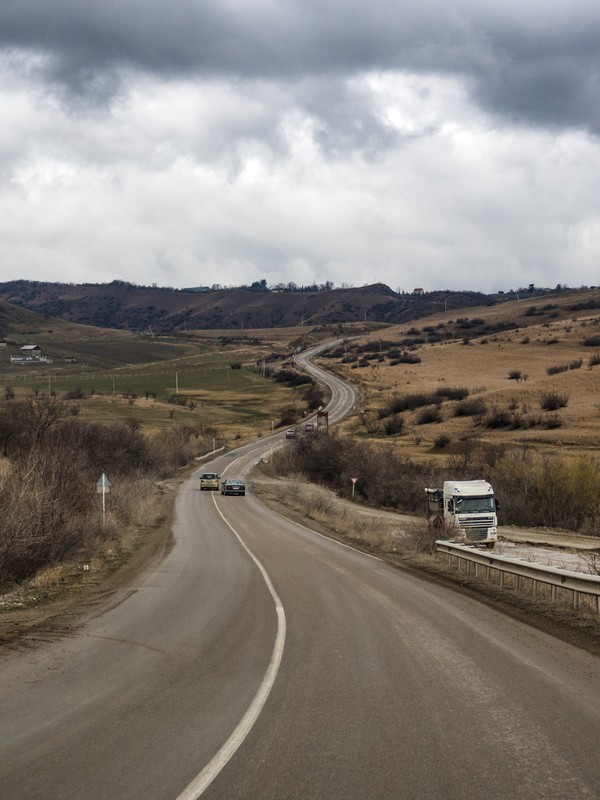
(468, 506)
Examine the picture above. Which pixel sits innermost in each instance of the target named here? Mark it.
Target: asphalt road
(260, 660)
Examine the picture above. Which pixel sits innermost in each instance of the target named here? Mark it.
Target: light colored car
(209, 481)
(233, 486)
(290, 433)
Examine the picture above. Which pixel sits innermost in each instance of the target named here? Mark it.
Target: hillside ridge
(126, 306)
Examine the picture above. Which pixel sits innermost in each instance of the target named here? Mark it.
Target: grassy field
(510, 357)
(513, 359)
(201, 378)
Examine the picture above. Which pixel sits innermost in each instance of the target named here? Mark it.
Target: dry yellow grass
(483, 366)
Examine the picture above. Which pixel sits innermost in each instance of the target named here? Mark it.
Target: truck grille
(476, 528)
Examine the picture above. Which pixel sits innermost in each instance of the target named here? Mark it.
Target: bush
(553, 492)
(288, 416)
(497, 418)
(53, 460)
(555, 370)
(314, 396)
(592, 341)
(394, 425)
(552, 401)
(442, 441)
(470, 408)
(552, 422)
(515, 375)
(409, 402)
(292, 378)
(74, 394)
(453, 393)
(429, 415)
(594, 360)
(388, 480)
(405, 358)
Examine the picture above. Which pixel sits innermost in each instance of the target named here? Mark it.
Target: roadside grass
(148, 508)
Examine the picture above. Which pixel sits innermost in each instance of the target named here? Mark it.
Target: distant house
(30, 354)
(418, 291)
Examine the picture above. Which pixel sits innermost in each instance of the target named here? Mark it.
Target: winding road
(260, 660)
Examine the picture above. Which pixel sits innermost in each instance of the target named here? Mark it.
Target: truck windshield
(474, 505)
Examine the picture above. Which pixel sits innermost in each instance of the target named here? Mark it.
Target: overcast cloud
(193, 142)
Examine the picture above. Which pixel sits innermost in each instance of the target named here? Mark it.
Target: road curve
(385, 685)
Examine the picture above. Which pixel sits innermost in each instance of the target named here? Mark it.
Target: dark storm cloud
(537, 63)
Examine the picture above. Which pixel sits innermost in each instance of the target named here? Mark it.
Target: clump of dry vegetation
(533, 490)
(52, 462)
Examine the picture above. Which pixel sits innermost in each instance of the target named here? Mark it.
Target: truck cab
(468, 506)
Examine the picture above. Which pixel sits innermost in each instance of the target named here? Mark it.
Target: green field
(160, 381)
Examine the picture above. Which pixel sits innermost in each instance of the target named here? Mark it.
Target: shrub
(429, 415)
(409, 402)
(576, 364)
(594, 360)
(442, 441)
(288, 416)
(552, 422)
(515, 375)
(556, 369)
(406, 358)
(176, 399)
(292, 378)
(551, 401)
(592, 341)
(74, 394)
(394, 425)
(331, 460)
(314, 396)
(471, 407)
(453, 393)
(497, 418)
(552, 492)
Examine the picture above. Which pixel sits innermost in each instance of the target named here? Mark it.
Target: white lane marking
(203, 780)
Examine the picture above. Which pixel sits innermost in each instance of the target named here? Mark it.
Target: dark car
(233, 486)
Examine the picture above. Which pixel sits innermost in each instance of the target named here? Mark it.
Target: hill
(126, 306)
(523, 374)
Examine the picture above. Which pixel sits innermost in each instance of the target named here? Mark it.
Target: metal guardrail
(207, 455)
(576, 582)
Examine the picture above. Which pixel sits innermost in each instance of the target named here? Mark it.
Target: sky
(417, 143)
